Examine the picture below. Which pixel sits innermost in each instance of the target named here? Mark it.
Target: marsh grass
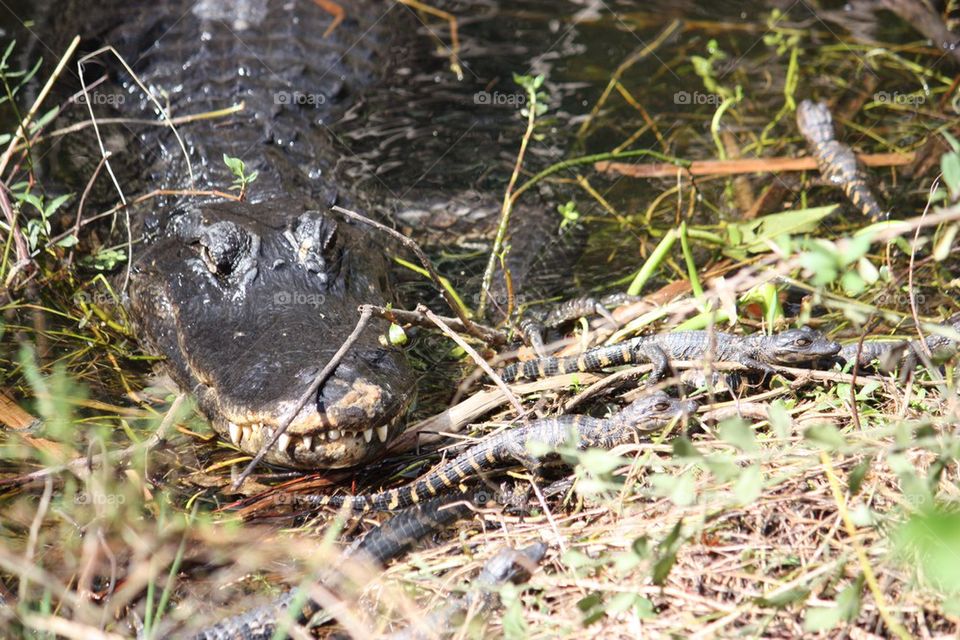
(828, 509)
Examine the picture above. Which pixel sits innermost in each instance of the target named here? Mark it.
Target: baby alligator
(388, 541)
(756, 352)
(510, 565)
(904, 354)
(647, 413)
(836, 161)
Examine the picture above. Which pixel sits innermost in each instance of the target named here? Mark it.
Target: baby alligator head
(795, 346)
(248, 302)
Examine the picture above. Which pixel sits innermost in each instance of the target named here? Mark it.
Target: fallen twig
(424, 260)
(741, 166)
(473, 354)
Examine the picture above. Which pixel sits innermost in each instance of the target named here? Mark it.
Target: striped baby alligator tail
(837, 162)
(429, 486)
(862, 197)
(591, 360)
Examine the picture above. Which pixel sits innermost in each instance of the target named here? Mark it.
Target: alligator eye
(222, 247)
(803, 342)
(662, 406)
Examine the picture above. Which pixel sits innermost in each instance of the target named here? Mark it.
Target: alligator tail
(590, 360)
(863, 199)
(447, 478)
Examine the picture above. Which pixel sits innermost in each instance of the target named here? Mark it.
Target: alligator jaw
(325, 448)
(352, 431)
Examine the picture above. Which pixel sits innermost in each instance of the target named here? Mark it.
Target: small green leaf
(853, 285)
(825, 435)
(738, 433)
(105, 260)
(684, 448)
(749, 485)
(951, 140)
(643, 608)
(55, 204)
(236, 165)
(681, 490)
(785, 598)
(600, 462)
(667, 550)
(857, 476)
(30, 199)
(780, 419)
(950, 167)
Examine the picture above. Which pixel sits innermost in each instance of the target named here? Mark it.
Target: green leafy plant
(242, 179)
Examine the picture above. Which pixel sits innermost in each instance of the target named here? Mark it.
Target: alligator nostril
(375, 357)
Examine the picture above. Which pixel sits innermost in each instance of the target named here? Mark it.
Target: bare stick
(311, 391)
(85, 194)
(488, 334)
(22, 129)
(192, 117)
(34, 533)
(424, 260)
(473, 354)
(741, 166)
(509, 199)
(142, 198)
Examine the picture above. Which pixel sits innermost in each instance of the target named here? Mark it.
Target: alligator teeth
(247, 433)
(334, 434)
(382, 432)
(283, 442)
(234, 433)
(308, 442)
(367, 435)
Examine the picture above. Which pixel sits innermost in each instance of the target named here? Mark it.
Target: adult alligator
(247, 300)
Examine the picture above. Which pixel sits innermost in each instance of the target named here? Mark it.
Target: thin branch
(742, 166)
(473, 354)
(424, 260)
(489, 335)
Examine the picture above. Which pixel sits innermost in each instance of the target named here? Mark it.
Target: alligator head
(248, 302)
(794, 346)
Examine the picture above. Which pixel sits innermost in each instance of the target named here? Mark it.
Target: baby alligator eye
(662, 406)
(803, 342)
